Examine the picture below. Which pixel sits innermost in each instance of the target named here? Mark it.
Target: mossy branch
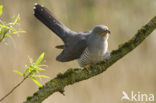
(72, 76)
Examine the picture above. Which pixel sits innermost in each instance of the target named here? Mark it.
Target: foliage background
(134, 72)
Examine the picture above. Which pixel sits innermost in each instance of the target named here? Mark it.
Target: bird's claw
(86, 67)
(105, 60)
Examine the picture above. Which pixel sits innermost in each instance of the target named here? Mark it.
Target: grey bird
(97, 47)
(88, 47)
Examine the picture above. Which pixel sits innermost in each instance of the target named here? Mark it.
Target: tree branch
(72, 76)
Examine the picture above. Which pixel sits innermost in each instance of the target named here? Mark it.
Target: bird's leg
(105, 60)
(107, 56)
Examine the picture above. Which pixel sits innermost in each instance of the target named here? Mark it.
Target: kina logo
(137, 97)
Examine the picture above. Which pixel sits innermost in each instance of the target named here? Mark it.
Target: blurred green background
(135, 72)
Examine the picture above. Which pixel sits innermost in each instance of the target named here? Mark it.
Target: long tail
(47, 18)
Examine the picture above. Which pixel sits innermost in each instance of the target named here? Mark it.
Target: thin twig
(14, 88)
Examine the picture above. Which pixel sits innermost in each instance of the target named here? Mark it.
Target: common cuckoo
(88, 47)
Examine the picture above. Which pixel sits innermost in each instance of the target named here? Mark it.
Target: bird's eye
(99, 32)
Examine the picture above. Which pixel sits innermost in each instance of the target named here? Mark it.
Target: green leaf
(42, 76)
(16, 32)
(1, 10)
(32, 73)
(42, 65)
(16, 20)
(25, 72)
(35, 81)
(38, 61)
(31, 60)
(40, 69)
(16, 71)
(4, 26)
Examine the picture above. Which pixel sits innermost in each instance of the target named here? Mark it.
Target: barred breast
(94, 54)
(84, 58)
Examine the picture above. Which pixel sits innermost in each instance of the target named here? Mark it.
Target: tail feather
(47, 18)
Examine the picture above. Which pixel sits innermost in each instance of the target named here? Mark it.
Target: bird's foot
(105, 60)
(86, 67)
(107, 56)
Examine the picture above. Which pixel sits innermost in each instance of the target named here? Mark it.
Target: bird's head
(101, 30)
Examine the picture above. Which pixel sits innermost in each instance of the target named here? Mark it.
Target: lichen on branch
(72, 76)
